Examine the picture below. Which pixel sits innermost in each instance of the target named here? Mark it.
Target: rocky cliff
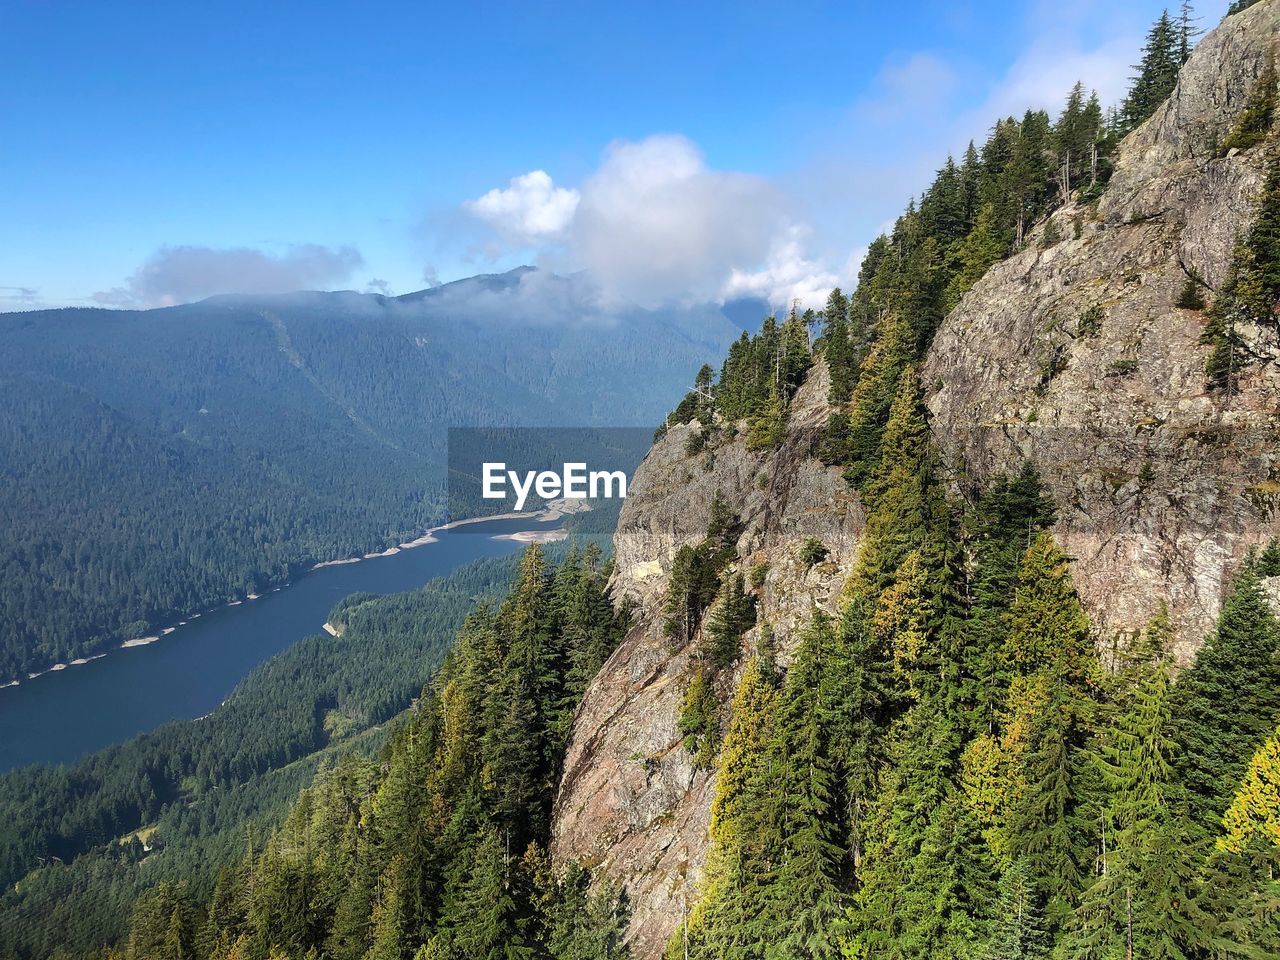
(631, 804)
(1161, 486)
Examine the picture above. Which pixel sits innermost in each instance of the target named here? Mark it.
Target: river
(62, 715)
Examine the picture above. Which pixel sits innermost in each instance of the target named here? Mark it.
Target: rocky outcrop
(1071, 354)
(631, 803)
(1162, 486)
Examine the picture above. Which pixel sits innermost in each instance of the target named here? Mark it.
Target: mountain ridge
(312, 426)
(633, 802)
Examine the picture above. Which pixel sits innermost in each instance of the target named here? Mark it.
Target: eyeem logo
(495, 470)
(573, 482)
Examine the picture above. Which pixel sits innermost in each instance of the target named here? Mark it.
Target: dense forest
(436, 847)
(950, 768)
(72, 850)
(161, 462)
(953, 766)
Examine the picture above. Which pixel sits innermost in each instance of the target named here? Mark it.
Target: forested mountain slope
(80, 843)
(839, 695)
(868, 715)
(158, 462)
(1089, 354)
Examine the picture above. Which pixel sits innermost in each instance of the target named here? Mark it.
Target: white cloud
(182, 274)
(787, 275)
(655, 224)
(531, 208)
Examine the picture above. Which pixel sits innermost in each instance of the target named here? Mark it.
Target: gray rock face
(631, 804)
(1161, 486)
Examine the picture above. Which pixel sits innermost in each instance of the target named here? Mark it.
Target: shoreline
(555, 510)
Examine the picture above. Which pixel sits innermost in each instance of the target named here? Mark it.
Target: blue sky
(156, 152)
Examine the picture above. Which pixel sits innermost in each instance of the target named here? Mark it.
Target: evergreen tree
(488, 920)
(980, 249)
(1157, 73)
(163, 925)
(1050, 639)
(699, 721)
(729, 920)
(1047, 828)
(1018, 928)
(1254, 813)
(1048, 629)
(1191, 297)
(729, 617)
(1269, 559)
(583, 925)
(838, 349)
(1009, 515)
(805, 898)
(906, 510)
(1187, 31)
(1229, 701)
(765, 429)
(862, 682)
(1146, 901)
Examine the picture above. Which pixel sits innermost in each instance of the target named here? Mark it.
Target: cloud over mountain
(180, 274)
(529, 209)
(654, 223)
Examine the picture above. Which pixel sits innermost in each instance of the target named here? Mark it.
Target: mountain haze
(161, 461)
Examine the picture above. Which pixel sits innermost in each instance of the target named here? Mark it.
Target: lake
(62, 715)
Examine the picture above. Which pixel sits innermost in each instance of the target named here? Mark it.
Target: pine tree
(488, 921)
(1048, 629)
(983, 247)
(902, 883)
(1047, 826)
(1269, 559)
(862, 681)
(805, 898)
(391, 925)
(1187, 31)
(1147, 900)
(1191, 297)
(729, 617)
(1009, 515)
(1075, 139)
(837, 348)
(906, 509)
(1050, 640)
(1018, 929)
(1157, 74)
(163, 925)
(583, 925)
(949, 886)
(728, 920)
(699, 721)
(1254, 813)
(1229, 701)
(765, 430)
